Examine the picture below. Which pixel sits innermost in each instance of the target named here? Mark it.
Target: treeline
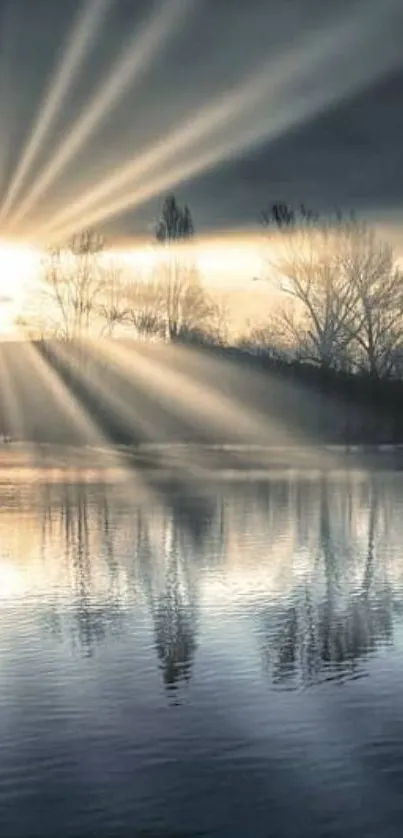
(337, 332)
(84, 291)
(341, 292)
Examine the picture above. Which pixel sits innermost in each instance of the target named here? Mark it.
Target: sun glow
(19, 265)
(228, 260)
(226, 263)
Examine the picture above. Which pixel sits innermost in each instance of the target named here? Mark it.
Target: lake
(184, 659)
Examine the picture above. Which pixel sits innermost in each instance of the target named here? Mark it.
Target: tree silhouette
(181, 300)
(175, 223)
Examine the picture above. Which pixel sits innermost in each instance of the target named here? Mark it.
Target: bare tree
(145, 307)
(219, 321)
(307, 260)
(268, 338)
(111, 301)
(369, 266)
(185, 306)
(346, 287)
(72, 277)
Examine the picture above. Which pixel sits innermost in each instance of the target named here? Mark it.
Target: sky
(229, 104)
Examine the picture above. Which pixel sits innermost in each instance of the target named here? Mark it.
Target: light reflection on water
(194, 661)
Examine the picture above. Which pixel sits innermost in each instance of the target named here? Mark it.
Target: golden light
(226, 263)
(230, 261)
(19, 265)
(227, 260)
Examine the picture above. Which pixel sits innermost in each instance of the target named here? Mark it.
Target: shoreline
(25, 462)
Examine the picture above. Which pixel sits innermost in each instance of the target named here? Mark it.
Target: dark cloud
(344, 152)
(349, 157)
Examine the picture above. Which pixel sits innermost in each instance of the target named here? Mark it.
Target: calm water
(222, 663)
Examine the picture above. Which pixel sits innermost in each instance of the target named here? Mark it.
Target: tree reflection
(157, 561)
(338, 613)
(174, 616)
(169, 574)
(89, 615)
(308, 557)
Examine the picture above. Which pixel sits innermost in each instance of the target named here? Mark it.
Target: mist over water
(189, 661)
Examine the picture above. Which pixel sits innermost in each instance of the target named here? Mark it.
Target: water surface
(221, 660)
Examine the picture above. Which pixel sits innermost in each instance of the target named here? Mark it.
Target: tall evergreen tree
(175, 223)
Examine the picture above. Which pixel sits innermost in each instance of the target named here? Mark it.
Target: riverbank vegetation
(334, 335)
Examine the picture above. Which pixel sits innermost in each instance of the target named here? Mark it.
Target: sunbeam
(131, 410)
(123, 413)
(50, 393)
(8, 39)
(85, 32)
(287, 90)
(13, 414)
(50, 399)
(128, 70)
(76, 416)
(201, 405)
